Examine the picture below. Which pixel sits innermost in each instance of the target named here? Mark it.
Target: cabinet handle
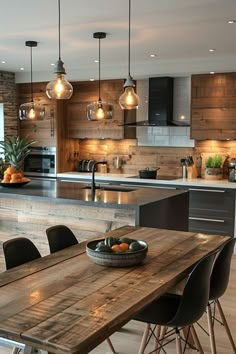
(204, 219)
(207, 190)
(149, 186)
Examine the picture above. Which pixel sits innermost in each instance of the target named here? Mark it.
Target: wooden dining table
(65, 303)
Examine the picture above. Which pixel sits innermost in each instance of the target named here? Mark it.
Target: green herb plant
(214, 161)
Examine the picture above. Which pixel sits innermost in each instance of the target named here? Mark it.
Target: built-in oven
(41, 162)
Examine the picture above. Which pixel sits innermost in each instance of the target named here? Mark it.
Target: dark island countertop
(71, 192)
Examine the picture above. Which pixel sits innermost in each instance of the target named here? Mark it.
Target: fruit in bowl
(114, 252)
(11, 175)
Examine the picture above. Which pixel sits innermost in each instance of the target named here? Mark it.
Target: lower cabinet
(212, 211)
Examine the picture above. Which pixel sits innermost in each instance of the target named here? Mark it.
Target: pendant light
(60, 88)
(99, 110)
(31, 110)
(129, 99)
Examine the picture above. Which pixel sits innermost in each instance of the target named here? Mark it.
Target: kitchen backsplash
(135, 158)
(164, 136)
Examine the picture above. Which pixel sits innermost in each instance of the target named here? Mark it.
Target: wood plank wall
(136, 157)
(30, 219)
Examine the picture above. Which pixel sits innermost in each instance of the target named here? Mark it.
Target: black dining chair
(178, 311)
(218, 285)
(60, 237)
(17, 251)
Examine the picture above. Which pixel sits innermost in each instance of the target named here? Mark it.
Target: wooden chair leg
(144, 339)
(158, 332)
(15, 350)
(223, 319)
(211, 329)
(178, 342)
(161, 338)
(196, 340)
(110, 345)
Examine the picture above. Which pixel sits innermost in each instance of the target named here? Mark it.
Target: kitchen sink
(112, 188)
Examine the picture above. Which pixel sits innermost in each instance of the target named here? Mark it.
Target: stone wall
(8, 96)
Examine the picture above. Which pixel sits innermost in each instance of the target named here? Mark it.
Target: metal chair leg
(223, 319)
(144, 339)
(110, 345)
(211, 329)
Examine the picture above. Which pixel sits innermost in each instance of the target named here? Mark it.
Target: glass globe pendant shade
(59, 89)
(99, 110)
(31, 111)
(129, 99)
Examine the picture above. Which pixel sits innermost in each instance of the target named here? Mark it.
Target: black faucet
(93, 186)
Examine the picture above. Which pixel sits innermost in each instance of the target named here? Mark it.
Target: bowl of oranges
(117, 252)
(13, 178)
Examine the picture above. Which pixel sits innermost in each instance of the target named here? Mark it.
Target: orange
(10, 170)
(116, 248)
(124, 246)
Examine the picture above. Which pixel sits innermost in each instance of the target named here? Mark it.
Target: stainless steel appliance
(232, 170)
(86, 165)
(41, 162)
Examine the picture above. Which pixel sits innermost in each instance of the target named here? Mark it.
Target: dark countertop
(74, 192)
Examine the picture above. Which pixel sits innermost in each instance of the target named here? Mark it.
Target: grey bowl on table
(116, 259)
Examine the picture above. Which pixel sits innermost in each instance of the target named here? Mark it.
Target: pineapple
(16, 150)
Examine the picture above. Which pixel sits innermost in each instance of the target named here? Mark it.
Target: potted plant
(214, 168)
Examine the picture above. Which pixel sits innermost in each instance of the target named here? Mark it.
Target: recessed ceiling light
(52, 64)
(22, 69)
(153, 55)
(3, 62)
(211, 50)
(91, 79)
(212, 72)
(231, 21)
(96, 61)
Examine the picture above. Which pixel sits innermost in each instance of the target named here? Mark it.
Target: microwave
(40, 162)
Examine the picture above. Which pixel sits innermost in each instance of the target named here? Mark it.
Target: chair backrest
(221, 270)
(18, 251)
(195, 295)
(59, 237)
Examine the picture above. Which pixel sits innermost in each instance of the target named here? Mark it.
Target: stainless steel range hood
(157, 100)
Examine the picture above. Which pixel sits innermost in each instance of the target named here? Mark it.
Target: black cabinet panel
(212, 211)
(160, 100)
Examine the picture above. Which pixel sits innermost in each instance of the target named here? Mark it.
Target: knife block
(192, 172)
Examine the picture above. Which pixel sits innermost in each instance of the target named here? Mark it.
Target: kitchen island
(29, 210)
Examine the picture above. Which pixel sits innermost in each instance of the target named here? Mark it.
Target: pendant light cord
(31, 75)
(99, 70)
(59, 29)
(129, 35)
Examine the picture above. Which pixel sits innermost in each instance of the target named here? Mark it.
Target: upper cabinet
(86, 92)
(43, 131)
(213, 106)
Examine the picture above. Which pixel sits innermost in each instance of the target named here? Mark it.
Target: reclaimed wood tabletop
(64, 303)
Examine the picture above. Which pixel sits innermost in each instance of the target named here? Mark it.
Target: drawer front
(212, 226)
(210, 202)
